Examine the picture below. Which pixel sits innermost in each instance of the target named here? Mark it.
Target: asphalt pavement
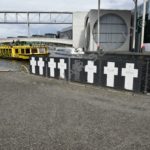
(38, 113)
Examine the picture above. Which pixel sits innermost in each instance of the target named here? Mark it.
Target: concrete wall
(78, 29)
(79, 20)
(125, 15)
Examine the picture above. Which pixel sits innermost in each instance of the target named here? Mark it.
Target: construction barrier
(123, 72)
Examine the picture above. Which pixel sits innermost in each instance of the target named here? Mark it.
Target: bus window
(34, 50)
(16, 51)
(27, 51)
(22, 51)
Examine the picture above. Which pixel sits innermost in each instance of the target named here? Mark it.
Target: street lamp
(98, 27)
(135, 24)
(143, 24)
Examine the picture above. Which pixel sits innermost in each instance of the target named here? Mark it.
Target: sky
(53, 5)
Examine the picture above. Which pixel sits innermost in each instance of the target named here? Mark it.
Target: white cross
(52, 66)
(41, 65)
(129, 73)
(90, 68)
(62, 66)
(111, 71)
(33, 64)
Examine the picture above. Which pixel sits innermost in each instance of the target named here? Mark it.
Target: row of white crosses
(110, 70)
(129, 73)
(62, 66)
(40, 63)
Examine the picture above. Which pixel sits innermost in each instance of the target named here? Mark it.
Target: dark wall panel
(38, 66)
(123, 72)
(57, 68)
(85, 71)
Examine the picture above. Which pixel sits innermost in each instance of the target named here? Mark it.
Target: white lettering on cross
(90, 69)
(33, 64)
(62, 66)
(41, 65)
(129, 73)
(52, 66)
(111, 71)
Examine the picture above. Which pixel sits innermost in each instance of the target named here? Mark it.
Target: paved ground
(44, 114)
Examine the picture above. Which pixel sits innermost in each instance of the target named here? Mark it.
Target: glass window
(41, 50)
(22, 51)
(34, 50)
(27, 51)
(16, 51)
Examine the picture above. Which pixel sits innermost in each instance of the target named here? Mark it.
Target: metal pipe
(39, 17)
(28, 20)
(146, 76)
(143, 23)
(98, 30)
(135, 24)
(16, 17)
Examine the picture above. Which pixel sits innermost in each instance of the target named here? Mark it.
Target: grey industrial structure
(114, 30)
(65, 33)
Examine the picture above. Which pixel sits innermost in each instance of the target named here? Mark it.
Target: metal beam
(36, 23)
(98, 25)
(135, 24)
(12, 17)
(52, 12)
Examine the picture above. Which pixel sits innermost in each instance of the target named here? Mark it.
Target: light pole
(135, 24)
(143, 23)
(98, 27)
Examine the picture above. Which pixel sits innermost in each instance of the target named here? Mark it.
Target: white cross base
(129, 73)
(33, 64)
(52, 66)
(111, 71)
(90, 68)
(41, 65)
(62, 66)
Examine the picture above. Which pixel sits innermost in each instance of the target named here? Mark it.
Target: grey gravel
(38, 113)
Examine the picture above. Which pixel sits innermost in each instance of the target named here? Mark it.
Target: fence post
(69, 71)
(146, 76)
(46, 67)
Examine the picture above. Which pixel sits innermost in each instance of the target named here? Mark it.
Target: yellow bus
(22, 51)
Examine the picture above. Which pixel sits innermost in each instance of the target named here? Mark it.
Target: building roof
(66, 29)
